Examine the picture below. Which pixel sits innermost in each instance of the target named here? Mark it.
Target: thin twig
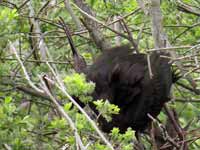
(63, 89)
(63, 113)
(35, 61)
(101, 23)
(24, 69)
(149, 66)
(168, 48)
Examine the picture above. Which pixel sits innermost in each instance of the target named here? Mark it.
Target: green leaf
(68, 106)
(8, 100)
(106, 109)
(92, 2)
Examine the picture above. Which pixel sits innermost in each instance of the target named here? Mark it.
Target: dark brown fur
(123, 78)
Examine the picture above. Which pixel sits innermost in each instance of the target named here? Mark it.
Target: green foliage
(82, 124)
(125, 140)
(58, 123)
(40, 126)
(98, 146)
(106, 109)
(8, 15)
(4, 69)
(92, 2)
(77, 86)
(8, 20)
(68, 106)
(13, 126)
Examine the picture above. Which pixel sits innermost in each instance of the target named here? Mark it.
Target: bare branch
(24, 70)
(90, 22)
(74, 18)
(64, 91)
(188, 9)
(40, 41)
(63, 113)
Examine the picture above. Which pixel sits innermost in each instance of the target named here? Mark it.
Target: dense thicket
(37, 74)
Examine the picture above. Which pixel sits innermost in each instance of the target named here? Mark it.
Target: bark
(161, 41)
(157, 31)
(36, 29)
(74, 18)
(117, 27)
(160, 38)
(92, 27)
(187, 8)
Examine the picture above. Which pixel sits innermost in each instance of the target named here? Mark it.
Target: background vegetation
(32, 40)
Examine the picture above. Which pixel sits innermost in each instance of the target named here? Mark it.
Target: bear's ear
(114, 75)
